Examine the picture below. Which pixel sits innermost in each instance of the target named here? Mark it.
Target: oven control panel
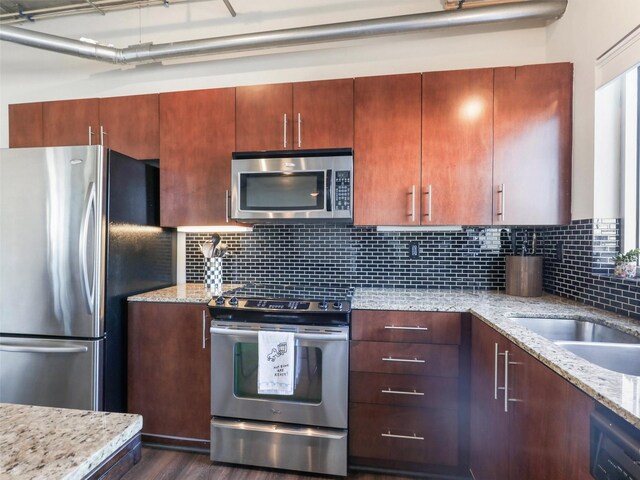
(311, 306)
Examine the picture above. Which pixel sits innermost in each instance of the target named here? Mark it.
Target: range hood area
(541, 10)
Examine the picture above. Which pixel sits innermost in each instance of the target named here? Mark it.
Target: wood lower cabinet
(540, 432)
(408, 399)
(71, 122)
(197, 137)
(532, 144)
(387, 112)
(25, 125)
(169, 371)
(131, 125)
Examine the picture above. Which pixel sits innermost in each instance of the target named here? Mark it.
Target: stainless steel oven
(304, 431)
(303, 185)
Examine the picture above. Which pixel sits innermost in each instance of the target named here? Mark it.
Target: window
(630, 159)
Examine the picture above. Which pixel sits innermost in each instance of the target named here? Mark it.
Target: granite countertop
(183, 293)
(45, 443)
(617, 391)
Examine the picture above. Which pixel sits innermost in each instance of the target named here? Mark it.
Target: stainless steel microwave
(292, 186)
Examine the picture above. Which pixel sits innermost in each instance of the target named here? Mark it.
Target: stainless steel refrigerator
(78, 234)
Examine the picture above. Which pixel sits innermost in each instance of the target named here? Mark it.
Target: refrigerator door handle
(36, 349)
(89, 208)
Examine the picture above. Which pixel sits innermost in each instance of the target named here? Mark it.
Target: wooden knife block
(524, 276)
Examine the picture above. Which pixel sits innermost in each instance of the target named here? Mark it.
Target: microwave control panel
(343, 190)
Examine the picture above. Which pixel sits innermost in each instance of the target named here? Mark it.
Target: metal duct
(145, 53)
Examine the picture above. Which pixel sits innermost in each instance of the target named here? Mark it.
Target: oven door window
(308, 374)
(284, 191)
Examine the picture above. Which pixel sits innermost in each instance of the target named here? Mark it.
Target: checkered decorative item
(213, 275)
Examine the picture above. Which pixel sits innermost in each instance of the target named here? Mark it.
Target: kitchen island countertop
(48, 443)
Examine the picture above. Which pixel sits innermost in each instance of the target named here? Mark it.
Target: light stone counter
(42, 443)
(183, 293)
(619, 392)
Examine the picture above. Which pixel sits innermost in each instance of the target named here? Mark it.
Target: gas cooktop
(286, 298)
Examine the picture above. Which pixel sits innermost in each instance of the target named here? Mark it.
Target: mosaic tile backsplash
(360, 257)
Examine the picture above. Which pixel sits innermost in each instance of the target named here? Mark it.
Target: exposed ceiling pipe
(146, 53)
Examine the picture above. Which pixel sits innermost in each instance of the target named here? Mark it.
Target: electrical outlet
(414, 250)
(559, 251)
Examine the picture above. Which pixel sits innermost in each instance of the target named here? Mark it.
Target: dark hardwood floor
(161, 464)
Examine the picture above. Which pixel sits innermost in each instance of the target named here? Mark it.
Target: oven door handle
(325, 337)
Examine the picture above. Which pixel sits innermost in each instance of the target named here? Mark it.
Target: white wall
(586, 31)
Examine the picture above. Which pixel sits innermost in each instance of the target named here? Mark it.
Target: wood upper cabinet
(532, 144)
(71, 122)
(197, 137)
(457, 147)
(387, 112)
(264, 117)
(25, 125)
(131, 125)
(323, 114)
(541, 430)
(292, 116)
(169, 370)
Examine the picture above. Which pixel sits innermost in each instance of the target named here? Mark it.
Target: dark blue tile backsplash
(577, 259)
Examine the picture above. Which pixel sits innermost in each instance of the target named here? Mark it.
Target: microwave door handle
(328, 188)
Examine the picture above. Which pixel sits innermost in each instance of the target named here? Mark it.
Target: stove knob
(220, 300)
(337, 305)
(323, 305)
(233, 301)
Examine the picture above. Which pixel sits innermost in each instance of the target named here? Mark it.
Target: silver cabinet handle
(90, 135)
(393, 327)
(429, 193)
(204, 329)
(400, 392)
(285, 130)
(405, 360)
(34, 349)
(102, 134)
(405, 437)
(413, 203)
(88, 288)
(299, 130)
(495, 372)
(506, 380)
(226, 206)
(501, 212)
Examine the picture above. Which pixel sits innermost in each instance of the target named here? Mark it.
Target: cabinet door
(323, 114)
(25, 125)
(532, 144)
(71, 122)
(549, 422)
(169, 369)
(457, 147)
(131, 125)
(264, 117)
(489, 443)
(196, 141)
(387, 150)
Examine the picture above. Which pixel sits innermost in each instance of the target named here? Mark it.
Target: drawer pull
(400, 392)
(405, 360)
(393, 327)
(405, 437)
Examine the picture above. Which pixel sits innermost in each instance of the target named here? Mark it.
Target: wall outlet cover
(414, 250)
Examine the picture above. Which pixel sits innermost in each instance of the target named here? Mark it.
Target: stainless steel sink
(575, 330)
(622, 358)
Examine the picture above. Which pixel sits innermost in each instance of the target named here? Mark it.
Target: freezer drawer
(53, 373)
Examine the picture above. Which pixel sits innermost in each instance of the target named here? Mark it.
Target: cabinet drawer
(404, 358)
(414, 327)
(404, 390)
(404, 434)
